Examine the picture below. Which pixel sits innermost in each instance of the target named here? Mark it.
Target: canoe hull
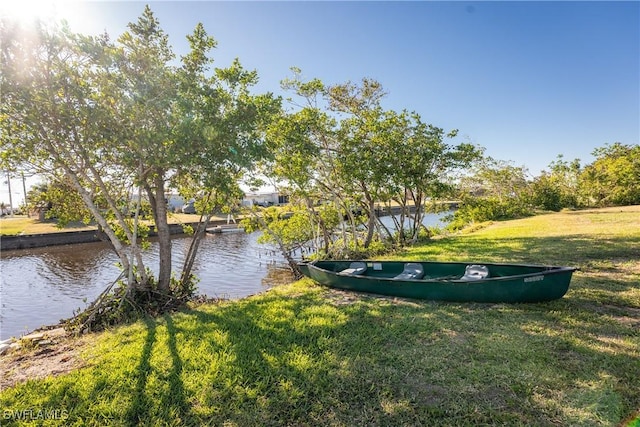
(510, 283)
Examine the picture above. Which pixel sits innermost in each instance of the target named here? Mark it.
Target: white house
(264, 199)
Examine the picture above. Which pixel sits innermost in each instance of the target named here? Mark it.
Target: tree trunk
(159, 207)
(417, 215)
(116, 244)
(198, 234)
(371, 207)
(195, 243)
(321, 224)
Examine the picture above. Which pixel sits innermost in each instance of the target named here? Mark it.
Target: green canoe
(445, 281)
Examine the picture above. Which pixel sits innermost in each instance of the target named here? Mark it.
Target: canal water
(44, 285)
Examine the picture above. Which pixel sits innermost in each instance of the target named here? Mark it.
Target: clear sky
(525, 80)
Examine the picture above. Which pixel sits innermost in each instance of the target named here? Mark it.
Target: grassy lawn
(302, 354)
(22, 225)
(11, 226)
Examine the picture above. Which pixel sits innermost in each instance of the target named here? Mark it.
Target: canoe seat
(412, 270)
(355, 269)
(475, 272)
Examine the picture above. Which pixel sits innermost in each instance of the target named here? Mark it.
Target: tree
(302, 157)
(120, 121)
(341, 148)
(558, 188)
(61, 201)
(614, 177)
(51, 117)
(496, 190)
(424, 168)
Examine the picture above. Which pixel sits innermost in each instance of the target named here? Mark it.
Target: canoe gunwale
(545, 284)
(547, 270)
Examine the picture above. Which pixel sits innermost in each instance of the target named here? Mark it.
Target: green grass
(12, 226)
(302, 354)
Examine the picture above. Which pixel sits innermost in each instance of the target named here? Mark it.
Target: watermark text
(35, 414)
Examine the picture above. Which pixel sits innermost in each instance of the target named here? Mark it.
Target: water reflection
(429, 220)
(43, 285)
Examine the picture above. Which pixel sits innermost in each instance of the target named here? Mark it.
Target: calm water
(44, 285)
(41, 286)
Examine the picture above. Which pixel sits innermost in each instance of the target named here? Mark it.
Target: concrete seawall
(27, 241)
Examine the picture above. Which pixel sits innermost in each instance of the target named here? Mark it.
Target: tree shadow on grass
(322, 357)
(167, 402)
(140, 404)
(306, 360)
(174, 401)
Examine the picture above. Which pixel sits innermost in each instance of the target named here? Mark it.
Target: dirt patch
(59, 354)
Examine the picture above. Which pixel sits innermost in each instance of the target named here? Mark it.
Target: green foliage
(293, 225)
(559, 188)
(477, 210)
(342, 149)
(496, 191)
(293, 228)
(110, 118)
(547, 195)
(142, 234)
(613, 179)
(61, 201)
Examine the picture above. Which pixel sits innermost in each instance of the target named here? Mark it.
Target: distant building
(264, 199)
(176, 203)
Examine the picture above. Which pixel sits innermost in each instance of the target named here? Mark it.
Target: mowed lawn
(302, 354)
(12, 226)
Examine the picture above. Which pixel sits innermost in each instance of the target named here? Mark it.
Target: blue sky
(525, 80)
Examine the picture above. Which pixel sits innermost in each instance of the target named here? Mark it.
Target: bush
(474, 210)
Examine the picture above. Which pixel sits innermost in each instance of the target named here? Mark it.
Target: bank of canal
(42, 285)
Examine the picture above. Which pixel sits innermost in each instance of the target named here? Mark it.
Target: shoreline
(59, 238)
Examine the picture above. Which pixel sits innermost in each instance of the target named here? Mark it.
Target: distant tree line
(496, 190)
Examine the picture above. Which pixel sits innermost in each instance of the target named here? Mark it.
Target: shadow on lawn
(140, 403)
(316, 360)
(144, 407)
(325, 358)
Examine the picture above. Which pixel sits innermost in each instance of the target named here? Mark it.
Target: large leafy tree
(54, 119)
(614, 177)
(340, 147)
(425, 167)
(302, 159)
(113, 119)
(559, 187)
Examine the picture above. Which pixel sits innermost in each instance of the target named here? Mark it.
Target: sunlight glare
(27, 12)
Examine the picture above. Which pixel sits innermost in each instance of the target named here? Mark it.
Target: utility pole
(10, 198)
(24, 190)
